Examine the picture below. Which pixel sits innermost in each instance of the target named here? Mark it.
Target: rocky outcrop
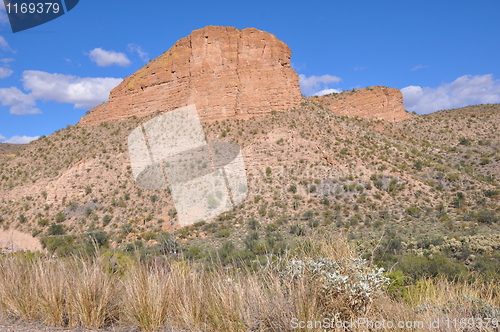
(225, 72)
(374, 102)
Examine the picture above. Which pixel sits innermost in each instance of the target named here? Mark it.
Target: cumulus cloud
(19, 102)
(105, 58)
(21, 139)
(312, 84)
(465, 90)
(5, 72)
(2, 137)
(84, 92)
(327, 92)
(133, 48)
(6, 60)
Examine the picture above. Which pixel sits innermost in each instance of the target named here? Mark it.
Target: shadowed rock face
(374, 102)
(225, 72)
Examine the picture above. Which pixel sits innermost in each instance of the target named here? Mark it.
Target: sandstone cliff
(226, 72)
(374, 102)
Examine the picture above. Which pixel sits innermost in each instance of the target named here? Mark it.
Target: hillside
(433, 176)
(9, 150)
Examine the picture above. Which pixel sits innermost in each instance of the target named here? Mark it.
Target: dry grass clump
(58, 293)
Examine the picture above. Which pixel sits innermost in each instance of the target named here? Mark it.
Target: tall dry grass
(158, 294)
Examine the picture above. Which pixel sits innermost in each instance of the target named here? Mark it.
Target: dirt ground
(18, 325)
(13, 240)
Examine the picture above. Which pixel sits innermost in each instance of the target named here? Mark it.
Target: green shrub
(56, 229)
(297, 229)
(167, 244)
(223, 233)
(465, 141)
(487, 216)
(491, 193)
(59, 245)
(60, 217)
(422, 266)
(253, 224)
(99, 238)
(106, 220)
(414, 211)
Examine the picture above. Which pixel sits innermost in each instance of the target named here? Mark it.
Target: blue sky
(441, 54)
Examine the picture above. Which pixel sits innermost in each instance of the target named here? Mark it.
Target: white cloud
(19, 102)
(4, 45)
(464, 91)
(6, 60)
(4, 19)
(310, 85)
(327, 92)
(84, 92)
(2, 137)
(105, 58)
(417, 67)
(137, 49)
(21, 139)
(5, 72)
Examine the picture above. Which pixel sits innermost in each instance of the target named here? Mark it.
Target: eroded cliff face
(376, 102)
(225, 72)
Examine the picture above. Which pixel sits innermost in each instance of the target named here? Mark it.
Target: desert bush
(345, 287)
(60, 217)
(59, 245)
(487, 216)
(167, 244)
(491, 192)
(56, 229)
(437, 265)
(253, 224)
(297, 229)
(106, 220)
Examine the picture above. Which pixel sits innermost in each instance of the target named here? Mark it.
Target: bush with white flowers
(348, 284)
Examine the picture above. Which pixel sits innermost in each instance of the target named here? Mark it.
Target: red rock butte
(225, 72)
(376, 102)
(231, 74)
